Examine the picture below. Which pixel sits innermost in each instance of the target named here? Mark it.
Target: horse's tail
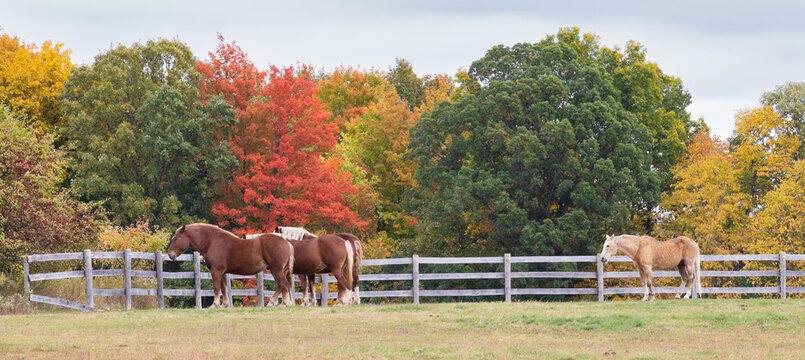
(698, 264)
(349, 264)
(291, 259)
(358, 254)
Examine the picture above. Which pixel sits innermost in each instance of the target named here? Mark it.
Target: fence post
(324, 289)
(782, 275)
(25, 276)
(160, 280)
(261, 296)
(415, 276)
(507, 277)
(600, 276)
(127, 276)
(229, 290)
(88, 278)
(197, 277)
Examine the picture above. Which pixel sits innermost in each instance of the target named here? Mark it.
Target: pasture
(703, 328)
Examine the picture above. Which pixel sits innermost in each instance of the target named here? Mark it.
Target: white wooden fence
(415, 277)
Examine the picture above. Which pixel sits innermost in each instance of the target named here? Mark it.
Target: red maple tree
(281, 135)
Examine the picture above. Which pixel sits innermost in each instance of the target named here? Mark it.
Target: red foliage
(281, 135)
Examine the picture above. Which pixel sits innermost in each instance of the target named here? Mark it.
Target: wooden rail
(414, 276)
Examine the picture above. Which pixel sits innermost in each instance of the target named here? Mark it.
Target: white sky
(727, 53)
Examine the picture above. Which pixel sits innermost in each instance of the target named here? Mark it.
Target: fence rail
(414, 276)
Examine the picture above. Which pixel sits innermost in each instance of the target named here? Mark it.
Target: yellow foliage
(32, 78)
(137, 238)
(780, 224)
(379, 246)
(706, 203)
(765, 151)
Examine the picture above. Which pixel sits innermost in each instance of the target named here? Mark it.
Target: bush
(138, 237)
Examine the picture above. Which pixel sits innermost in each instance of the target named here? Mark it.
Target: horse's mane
(217, 227)
(638, 237)
(296, 233)
(286, 232)
(284, 236)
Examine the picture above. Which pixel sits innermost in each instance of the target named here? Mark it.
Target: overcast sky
(727, 53)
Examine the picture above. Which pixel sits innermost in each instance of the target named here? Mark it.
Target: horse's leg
(683, 276)
(272, 301)
(284, 288)
(642, 273)
(216, 287)
(356, 296)
(691, 270)
(289, 289)
(644, 279)
(343, 296)
(311, 289)
(224, 292)
(303, 284)
(650, 282)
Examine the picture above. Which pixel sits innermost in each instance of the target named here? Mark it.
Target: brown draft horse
(649, 254)
(323, 254)
(226, 253)
(308, 285)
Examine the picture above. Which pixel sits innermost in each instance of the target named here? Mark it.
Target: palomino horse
(226, 253)
(300, 233)
(649, 254)
(323, 254)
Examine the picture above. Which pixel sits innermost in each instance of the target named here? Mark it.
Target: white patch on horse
(296, 233)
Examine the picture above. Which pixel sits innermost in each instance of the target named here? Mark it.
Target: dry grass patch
(723, 329)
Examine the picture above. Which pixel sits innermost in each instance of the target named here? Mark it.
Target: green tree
(140, 140)
(552, 149)
(789, 101)
(410, 87)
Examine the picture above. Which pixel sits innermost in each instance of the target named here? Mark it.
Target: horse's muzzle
(172, 257)
(604, 260)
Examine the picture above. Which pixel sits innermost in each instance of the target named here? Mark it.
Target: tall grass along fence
(414, 279)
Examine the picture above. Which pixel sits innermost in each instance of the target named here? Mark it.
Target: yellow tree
(780, 224)
(706, 203)
(31, 79)
(764, 149)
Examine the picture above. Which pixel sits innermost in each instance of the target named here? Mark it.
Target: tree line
(535, 148)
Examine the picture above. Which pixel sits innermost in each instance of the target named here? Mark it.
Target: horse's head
(179, 243)
(610, 248)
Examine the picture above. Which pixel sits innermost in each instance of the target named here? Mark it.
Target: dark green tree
(140, 140)
(563, 141)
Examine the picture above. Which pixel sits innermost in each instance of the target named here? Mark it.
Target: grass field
(725, 329)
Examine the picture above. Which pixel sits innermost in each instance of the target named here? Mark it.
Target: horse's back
(274, 244)
(670, 253)
(688, 245)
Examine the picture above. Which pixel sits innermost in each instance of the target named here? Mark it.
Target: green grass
(707, 329)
